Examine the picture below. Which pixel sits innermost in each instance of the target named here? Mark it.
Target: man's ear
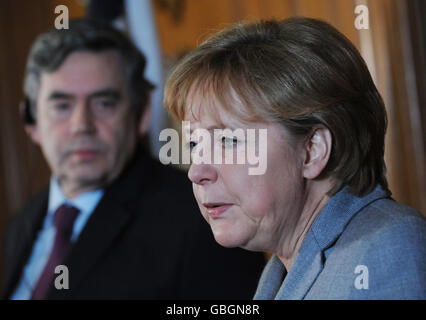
(145, 119)
(32, 131)
(317, 150)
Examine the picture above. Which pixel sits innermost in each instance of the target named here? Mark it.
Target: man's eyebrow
(106, 93)
(60, 95)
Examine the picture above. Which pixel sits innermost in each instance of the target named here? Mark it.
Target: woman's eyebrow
(211, 128)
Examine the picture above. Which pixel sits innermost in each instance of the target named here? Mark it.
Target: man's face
(85, 124)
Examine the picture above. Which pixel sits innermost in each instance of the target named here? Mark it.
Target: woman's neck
(315, 200)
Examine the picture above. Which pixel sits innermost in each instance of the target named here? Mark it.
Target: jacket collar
(309, 262)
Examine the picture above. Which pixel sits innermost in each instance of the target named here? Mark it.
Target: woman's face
(255, 212)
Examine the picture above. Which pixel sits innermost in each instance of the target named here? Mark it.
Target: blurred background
(393, 45)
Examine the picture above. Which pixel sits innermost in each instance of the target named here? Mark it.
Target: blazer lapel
(271, 279)
(323, 234)
(306, 267)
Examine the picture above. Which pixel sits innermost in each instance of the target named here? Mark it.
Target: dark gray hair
(299, 72)
(50, 50)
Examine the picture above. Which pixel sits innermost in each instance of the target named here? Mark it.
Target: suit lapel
(103, 227)
(105, 224)
(24, 230)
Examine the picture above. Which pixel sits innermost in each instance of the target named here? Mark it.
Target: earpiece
(26, 113)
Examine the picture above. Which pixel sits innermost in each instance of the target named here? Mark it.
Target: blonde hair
(299, 72)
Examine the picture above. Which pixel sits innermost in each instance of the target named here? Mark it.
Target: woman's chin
(227, 240)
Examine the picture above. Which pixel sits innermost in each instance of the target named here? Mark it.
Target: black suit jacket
(145, 240)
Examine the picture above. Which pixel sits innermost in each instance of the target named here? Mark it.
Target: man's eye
(106, 104)
(62, 106)
(104, 108)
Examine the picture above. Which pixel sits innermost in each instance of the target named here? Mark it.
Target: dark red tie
(64, 220)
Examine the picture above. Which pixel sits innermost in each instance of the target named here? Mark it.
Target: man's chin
(89, 169)
(93, 179)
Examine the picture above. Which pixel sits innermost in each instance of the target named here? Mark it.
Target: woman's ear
(318, 150)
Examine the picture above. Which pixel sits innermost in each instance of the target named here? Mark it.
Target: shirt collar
(84, 202)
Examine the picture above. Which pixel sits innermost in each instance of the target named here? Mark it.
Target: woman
(322, 206)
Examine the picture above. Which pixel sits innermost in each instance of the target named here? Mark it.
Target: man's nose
(202, 173)
(82, 120)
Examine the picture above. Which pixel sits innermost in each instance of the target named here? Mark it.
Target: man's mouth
(85, 154)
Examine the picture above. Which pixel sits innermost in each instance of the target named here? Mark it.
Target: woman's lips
(215, 210)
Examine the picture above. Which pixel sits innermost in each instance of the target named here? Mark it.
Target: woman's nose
(202, 173)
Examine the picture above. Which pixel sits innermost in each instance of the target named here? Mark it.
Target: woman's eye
(229, 142)
(192, 145)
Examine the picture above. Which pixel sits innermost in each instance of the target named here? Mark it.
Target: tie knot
(65, 216)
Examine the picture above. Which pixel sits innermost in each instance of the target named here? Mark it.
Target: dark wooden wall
(21, 168)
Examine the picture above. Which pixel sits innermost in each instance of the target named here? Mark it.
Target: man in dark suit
(117, 223)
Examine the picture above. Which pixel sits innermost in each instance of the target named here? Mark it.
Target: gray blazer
(357, 248)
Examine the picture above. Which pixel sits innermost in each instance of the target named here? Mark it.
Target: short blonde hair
(299, 72)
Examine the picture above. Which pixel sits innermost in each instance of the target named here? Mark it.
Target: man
(117, 223)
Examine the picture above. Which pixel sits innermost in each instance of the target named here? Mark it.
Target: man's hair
(51, 49)
(299, 72)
